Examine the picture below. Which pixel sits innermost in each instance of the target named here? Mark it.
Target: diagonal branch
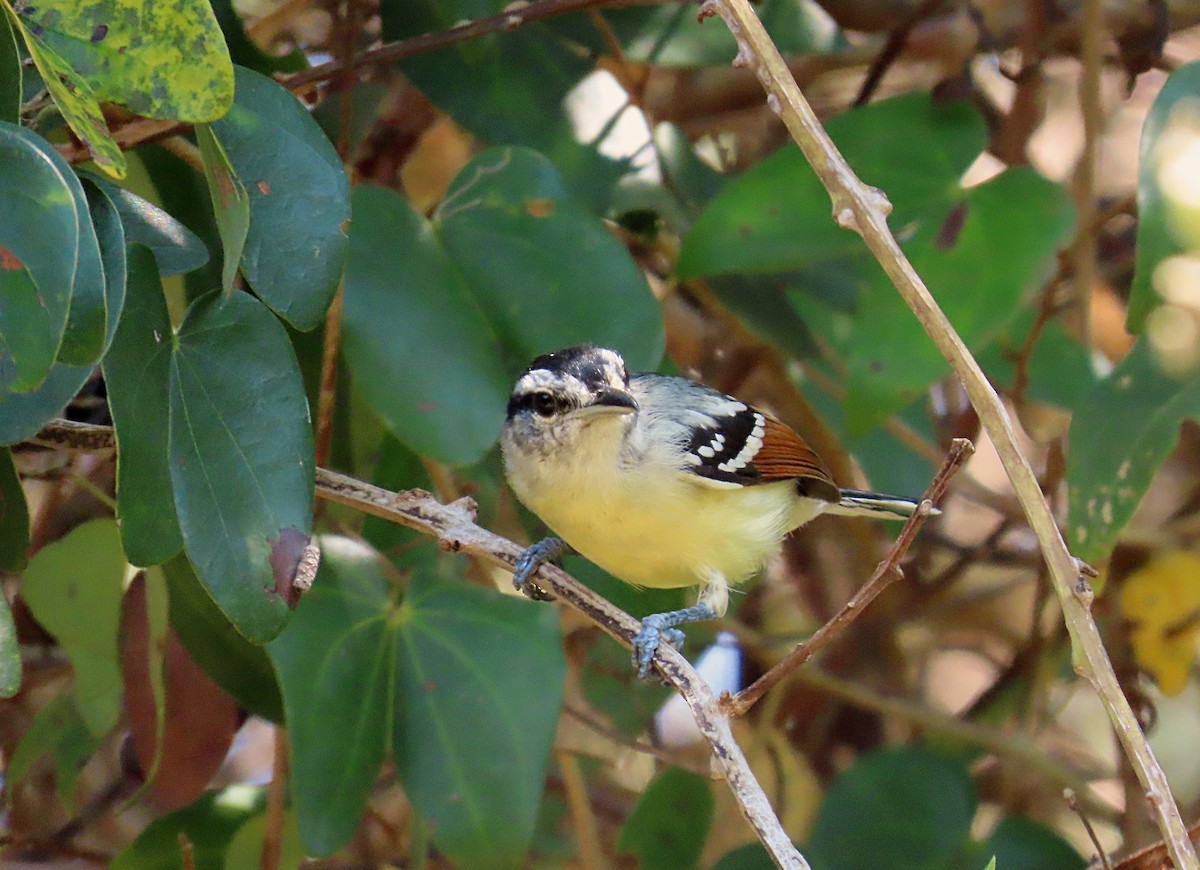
(454, 526)
(885, 575)
(859, 207)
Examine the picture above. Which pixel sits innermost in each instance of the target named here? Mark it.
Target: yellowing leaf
(162, 60)
(75, 99)
(1162, 599)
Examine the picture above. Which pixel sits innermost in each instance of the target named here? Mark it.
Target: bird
(661, 481)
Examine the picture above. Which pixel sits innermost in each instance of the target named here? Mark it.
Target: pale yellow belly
(681, 534)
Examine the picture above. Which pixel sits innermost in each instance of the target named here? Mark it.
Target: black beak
(616, 399)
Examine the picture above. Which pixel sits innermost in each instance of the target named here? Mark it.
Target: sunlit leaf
(1110, 466)
(1162, 601)
(59, 730)
(208, 826)
(1165, 164)
(74, 586)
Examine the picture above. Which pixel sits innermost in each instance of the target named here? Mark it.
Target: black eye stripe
(536, 401)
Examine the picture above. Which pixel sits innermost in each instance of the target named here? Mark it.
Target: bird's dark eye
(545, 404)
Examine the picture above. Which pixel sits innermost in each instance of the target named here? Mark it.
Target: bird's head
(566, 392)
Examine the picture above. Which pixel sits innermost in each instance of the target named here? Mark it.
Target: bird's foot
(528, 563)
(661, 626)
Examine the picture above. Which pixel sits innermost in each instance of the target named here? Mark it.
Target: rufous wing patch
(785, 455)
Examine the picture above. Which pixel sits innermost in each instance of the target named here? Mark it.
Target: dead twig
(885, 575)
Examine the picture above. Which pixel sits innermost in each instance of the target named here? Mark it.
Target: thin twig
(885, 575)
(1083, 251)
(897, 39)
(272, 847)
(454, 527)
(583, 820)
(1073, 806)
(863, 209)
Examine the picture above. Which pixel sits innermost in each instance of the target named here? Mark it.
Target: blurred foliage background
(260, 237)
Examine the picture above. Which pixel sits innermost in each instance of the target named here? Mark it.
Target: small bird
(660, 481)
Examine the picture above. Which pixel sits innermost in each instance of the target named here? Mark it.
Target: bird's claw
(530, 561)
(645, 643)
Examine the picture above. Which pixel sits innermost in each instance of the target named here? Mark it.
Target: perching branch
(454, 527)
(859, 207)
(885, 575)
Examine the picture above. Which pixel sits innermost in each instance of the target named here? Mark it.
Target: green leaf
(751, 857)
(11, 82)
(209, 825)
(110, 234)
(474, 728)
(1172, 122)
(483, 286)
(898, 808)
(395, 321)
(243, 487)
(1019, 843)
(246, 847)
(981, 263)
(73, 587)
(1110, 466)
(137, 373)
(1060, 369)
(230, 201)
(162, 60)
(10, 652)
(57, 729)
(668, 826)
(23, 414)
(176, 248)
(776, 217)
(74, 97)
(14, 517)
(506, 89)
(299, 199)
(40, 227)
(238, 666)
(335, 662)
(85, 336)
(470, 726)
(506, 222)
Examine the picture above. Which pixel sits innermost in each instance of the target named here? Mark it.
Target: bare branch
(885, 575)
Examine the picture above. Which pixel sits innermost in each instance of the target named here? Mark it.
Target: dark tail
(856, 503)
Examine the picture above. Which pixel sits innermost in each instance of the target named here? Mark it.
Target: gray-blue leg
(661, 626)
(534, 557)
